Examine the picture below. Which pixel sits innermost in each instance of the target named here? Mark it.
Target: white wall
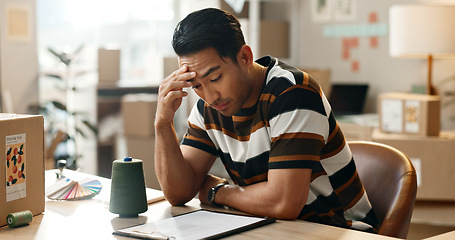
(382, 72)
(18, 62)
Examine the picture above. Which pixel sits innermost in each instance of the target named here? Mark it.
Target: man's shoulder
(282, 76)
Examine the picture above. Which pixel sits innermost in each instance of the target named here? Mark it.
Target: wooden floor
(431, 218)
(419, 231)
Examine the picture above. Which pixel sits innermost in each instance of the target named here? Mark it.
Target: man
(269, 123)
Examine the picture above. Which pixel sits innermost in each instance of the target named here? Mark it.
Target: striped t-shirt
(291, 126)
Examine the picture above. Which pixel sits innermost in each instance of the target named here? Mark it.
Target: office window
(142, 29)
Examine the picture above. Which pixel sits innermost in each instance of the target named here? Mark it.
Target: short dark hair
(206, 28)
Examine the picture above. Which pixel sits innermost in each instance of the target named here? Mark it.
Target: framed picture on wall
(18, 23)
(345, 10)
(321, 10)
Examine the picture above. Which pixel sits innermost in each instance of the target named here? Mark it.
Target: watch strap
(213, 192)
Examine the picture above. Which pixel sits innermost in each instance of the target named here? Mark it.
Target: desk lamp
(422, 31)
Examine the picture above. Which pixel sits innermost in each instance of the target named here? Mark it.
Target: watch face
(211, 195)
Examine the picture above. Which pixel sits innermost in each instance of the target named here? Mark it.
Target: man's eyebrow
(210, 71)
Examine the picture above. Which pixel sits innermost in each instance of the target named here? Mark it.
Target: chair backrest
(391, 184)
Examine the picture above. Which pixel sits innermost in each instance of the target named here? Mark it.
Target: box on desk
(144, 149)
(108, 65)
(138, 113)
(22, 174)
(408, 113)
(432, 158)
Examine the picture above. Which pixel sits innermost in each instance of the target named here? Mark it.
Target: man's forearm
(269, 198)
(176, 177)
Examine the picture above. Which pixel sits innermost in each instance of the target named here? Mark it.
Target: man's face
(220, 82)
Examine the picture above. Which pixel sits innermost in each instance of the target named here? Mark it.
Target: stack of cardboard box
(411, 123)
(138, 113)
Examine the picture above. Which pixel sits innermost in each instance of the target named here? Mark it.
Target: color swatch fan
(67, 189)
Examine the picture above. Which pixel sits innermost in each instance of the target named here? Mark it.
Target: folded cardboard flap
(22, 170)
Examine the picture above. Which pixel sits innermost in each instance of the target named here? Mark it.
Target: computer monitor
(348, 99)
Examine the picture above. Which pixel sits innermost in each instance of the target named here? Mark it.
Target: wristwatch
(212, 193)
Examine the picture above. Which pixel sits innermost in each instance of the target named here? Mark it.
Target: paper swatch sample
(67, 189)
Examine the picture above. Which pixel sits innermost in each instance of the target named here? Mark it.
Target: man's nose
(211, 95)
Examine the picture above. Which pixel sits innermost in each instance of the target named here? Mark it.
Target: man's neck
(257, 75)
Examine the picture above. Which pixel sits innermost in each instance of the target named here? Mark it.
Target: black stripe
(199, 145)
(297, 146)
(200, 106)
(277, 85)
(297, 99)
(252, 167)
(293, 164)
(298, 75)
(343, 175)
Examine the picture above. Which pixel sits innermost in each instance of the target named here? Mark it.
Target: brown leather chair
(390, 182)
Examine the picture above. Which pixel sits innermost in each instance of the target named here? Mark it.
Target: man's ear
(245, 55)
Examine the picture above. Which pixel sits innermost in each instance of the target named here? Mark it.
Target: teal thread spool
(128, 197)
(18, 219)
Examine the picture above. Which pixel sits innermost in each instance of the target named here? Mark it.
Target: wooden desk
(91, 219)
(444, 236)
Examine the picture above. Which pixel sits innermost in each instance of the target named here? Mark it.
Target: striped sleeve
(299, 128)
(196, 135)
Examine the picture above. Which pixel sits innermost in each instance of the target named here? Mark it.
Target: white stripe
(333, 164)
(311, 197)
(322, 186)
(300, 120)
(196, 118)
(360, 225)
(259, 142)
(277, 72)
(359, 210)
(326, 103)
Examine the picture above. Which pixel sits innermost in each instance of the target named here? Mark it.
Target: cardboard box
(323, 77)
(274, 37)
(108, 65)
(170, 64)
(354, 132)
(432, 158)
(144, 149)
(408, 113)
(22, 175)
(138, 113)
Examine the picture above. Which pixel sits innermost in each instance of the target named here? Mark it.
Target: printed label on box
(15, 167)
(392, 115)
(411, 116)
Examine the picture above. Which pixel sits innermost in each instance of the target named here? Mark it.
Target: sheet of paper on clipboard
(200, 224)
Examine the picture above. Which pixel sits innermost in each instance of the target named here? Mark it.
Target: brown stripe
(225, 131)
(202, 140)
(255, 179)
(298, 135)
(242, 118)
(335, 144)
(194, 126)
(315, 175)
(306, 78)
(334, 132)
(258, 126)
(294, 157)
(356, 199)
(268, 97)
(299, 86)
